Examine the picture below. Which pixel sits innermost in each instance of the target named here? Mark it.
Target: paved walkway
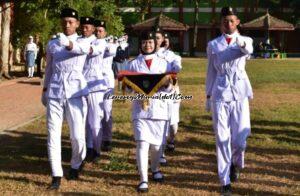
(20, 102)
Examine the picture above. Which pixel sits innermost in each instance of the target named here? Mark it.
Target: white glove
(44, 98)
(208, 105)
(63, 40)
(240, 42)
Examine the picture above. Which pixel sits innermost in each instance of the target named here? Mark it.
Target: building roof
(268, 22)
(163, 22)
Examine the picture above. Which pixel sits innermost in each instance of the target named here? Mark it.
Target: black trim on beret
(148, 35)
(87, 20)
(100, 23)
(158, 29)
(69, 12)
(227, 11)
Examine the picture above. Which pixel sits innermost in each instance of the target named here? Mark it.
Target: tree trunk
(5, 40)
(196, 26)
(0, 36)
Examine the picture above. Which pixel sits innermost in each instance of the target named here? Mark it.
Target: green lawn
(272, 157)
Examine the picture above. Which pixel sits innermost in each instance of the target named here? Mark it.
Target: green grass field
(272, 157)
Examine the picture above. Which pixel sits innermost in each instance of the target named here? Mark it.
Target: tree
(196, 21)
(5, 39)
(144, 6)
(42, 16)
(107, 10)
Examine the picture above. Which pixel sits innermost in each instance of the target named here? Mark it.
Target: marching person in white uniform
(107, 121)
(228, 90)
(164, 52)
(93, 73)
(150, 124)
(64, 94)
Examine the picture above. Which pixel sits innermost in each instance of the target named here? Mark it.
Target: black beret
(87, 20)
(69, 12)
(147, 35)
(227, 11)
(158, 30)
(99, 23)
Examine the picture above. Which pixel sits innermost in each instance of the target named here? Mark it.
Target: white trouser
(232, 127)
(94, 117)
(174, 120)
(75, 110)
(142, 150)
(173, 131)
(30, 71)
(107, 120)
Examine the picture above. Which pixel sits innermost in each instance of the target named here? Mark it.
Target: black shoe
(73, 174)
(234, 173)
(81, 166)
(90, 155)
(171, 146)
(226, 190)
(142, 189)
(55, 184)
(97, 159)
(106, 146)
(159, 179)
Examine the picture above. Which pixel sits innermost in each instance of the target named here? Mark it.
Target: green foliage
(119, 163)
(42, 17)
(106, 10)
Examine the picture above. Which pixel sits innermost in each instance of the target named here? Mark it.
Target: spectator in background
(40, 54)
(30, 54)
(121, 58)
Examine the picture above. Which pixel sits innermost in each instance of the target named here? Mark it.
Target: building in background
(204, 15)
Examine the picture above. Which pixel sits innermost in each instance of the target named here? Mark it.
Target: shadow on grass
(279, 169)
(25, 180)
(26, 152)
(77, 193)
(275, 123)
(36, 83)
(196, 143)
(250, 191)
(269, 131)
(122, 140)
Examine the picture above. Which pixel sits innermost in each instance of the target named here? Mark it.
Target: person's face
(229, 24)
(100, 32)
(159, 39)
(148, 46)
(69, 25)
(87, 30)
(167, 43)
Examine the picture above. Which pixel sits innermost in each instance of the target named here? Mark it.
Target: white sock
(142, 150)
(156, 152)
(97, 139)
(32, 71)
(29, 71)
(173, 131)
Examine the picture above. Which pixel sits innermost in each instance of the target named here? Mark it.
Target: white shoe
(143, 187)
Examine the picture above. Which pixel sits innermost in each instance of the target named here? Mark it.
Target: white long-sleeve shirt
(226, 78)
(31, 46)
(63, 76)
